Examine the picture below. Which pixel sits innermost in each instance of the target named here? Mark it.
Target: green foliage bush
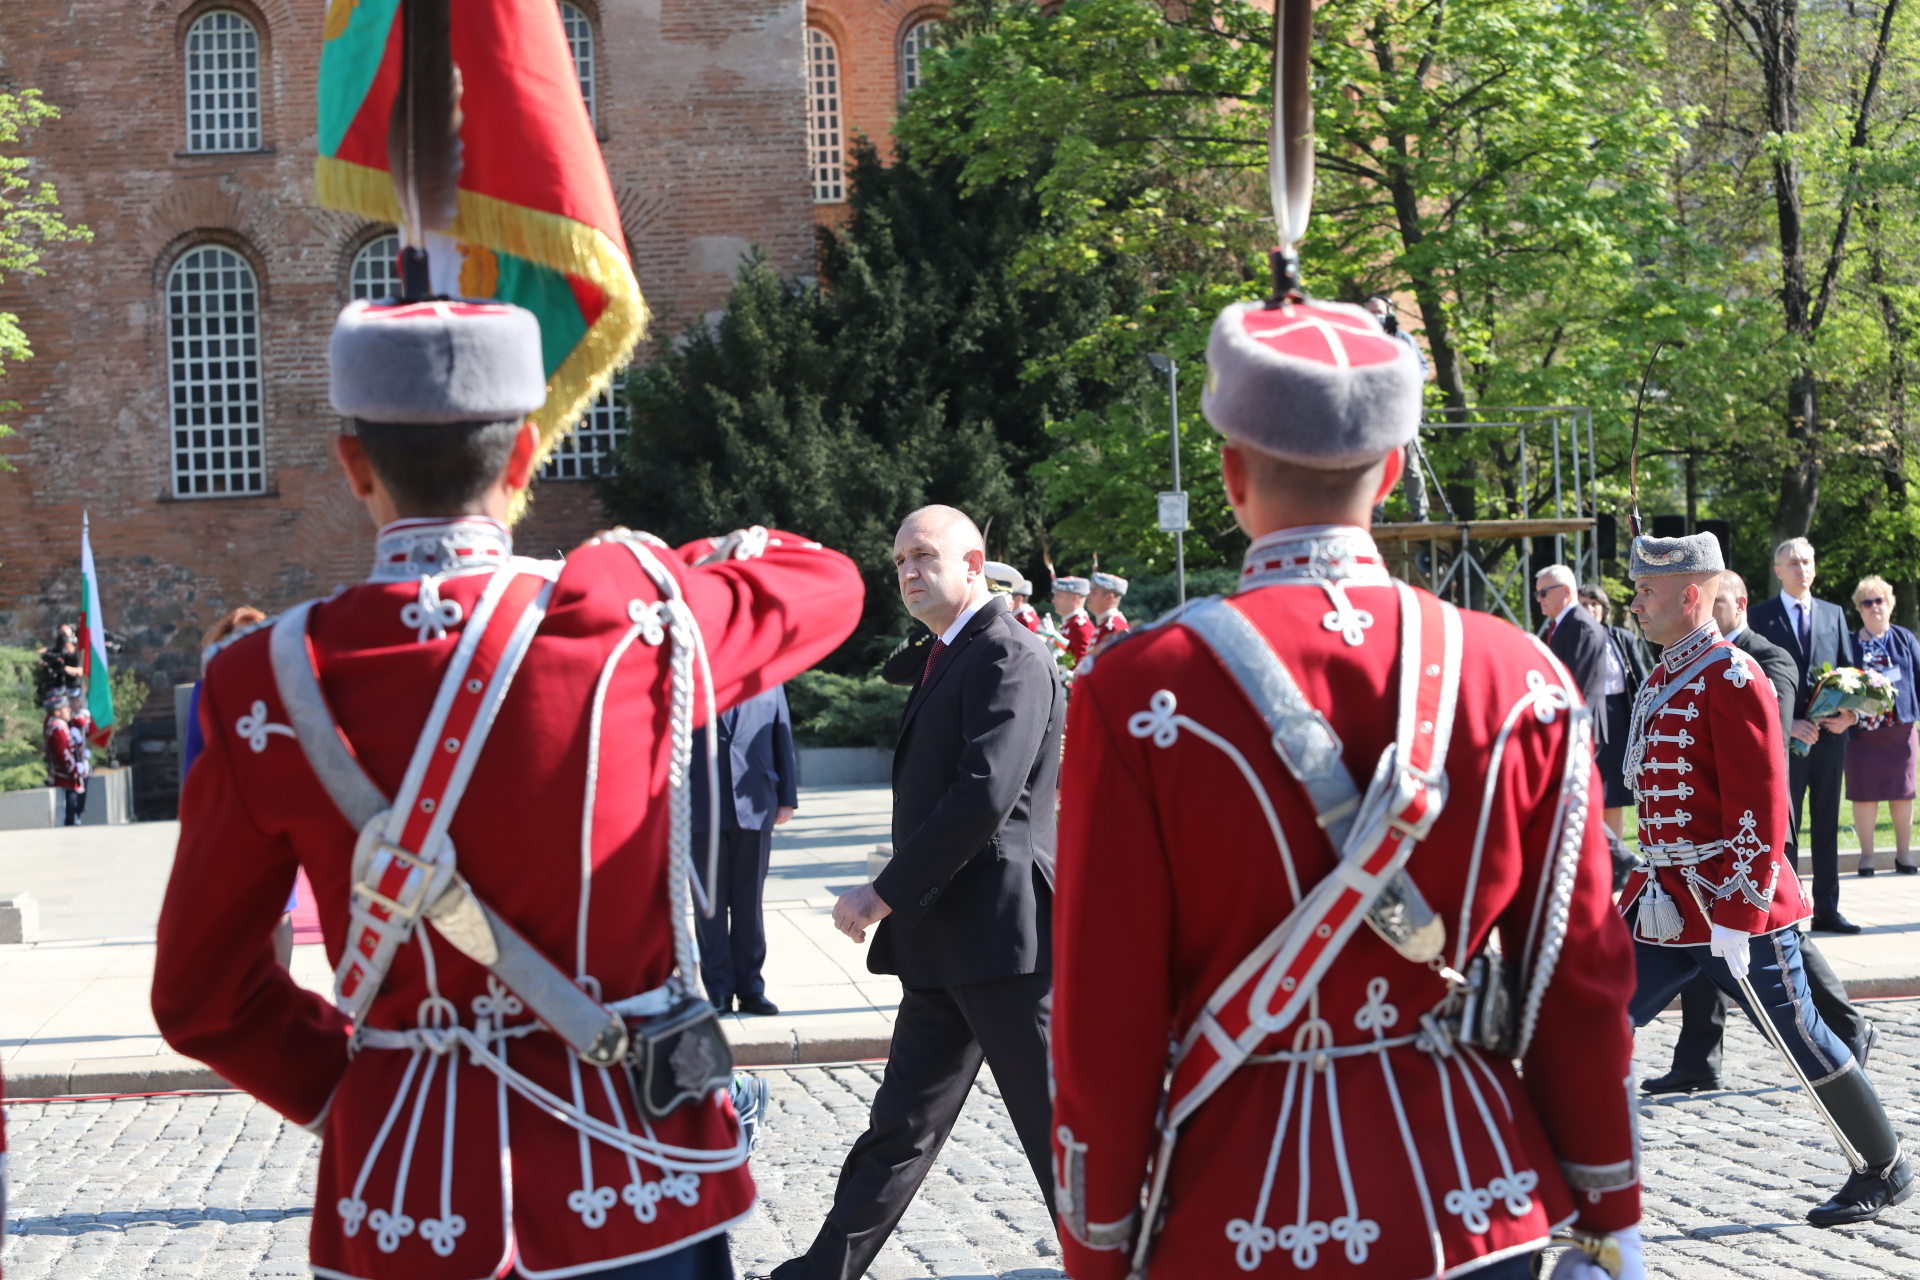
(845, 711)
(21, 763)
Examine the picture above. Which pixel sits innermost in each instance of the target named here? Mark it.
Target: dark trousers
(708, 1259)
(1777, 973)
(1823, 771)
(76, 802)
(733, 944)
(939, 1041)
(1703, 1015)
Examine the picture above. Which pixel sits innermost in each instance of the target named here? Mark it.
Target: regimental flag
(93, 646)
(536, 224)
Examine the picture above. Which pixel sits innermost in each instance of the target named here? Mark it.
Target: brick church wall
(700, 108)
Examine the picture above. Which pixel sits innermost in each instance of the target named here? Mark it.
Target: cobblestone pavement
(220, 1186)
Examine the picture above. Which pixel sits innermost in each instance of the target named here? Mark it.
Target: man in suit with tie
(964, 909)
(759, 790)
(1814, 633)
(1575, 638)
(1703, 1010)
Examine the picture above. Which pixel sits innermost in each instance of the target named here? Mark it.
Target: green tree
(29, 218)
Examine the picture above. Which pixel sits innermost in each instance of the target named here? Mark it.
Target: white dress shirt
(952, 633)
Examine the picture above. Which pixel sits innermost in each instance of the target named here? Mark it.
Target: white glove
(1730, 945)
(1575, 1265)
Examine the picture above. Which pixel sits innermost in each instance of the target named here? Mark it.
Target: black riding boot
(1888, 1178)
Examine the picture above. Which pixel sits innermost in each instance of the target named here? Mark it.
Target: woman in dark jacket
(1882, 750)
(1627, 668)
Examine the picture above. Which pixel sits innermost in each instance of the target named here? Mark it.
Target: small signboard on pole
(1173, 512)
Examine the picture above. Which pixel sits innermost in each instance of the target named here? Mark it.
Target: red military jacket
(1396, 1162)
(1709, 770)
(432, 1168)
(1110, 626)
(66, 764)
(1029, 617)
(1080, 633)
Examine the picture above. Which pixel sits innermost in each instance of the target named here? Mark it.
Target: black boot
(1888, 1178)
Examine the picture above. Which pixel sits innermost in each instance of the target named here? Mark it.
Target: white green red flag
(93, 646)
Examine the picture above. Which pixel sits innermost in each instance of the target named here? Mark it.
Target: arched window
(588, 452)
(580, 41)
(913, 47)
(213, 374)
(376, 269)
(826, 151)
(223, 83)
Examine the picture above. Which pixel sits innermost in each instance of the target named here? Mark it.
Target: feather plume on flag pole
(423, 137)
(1290, 143)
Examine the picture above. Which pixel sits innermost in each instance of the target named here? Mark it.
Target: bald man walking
(964, 910)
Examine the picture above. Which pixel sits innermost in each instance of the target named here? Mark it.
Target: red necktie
(933, 656)
(1550, 626)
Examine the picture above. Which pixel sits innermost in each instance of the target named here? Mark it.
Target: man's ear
(1396, 464)
(354, 461)
(976, 563)
(1233, 473)
(526, 447)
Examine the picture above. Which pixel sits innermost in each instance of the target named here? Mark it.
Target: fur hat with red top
(437, 360)
(1317, 383)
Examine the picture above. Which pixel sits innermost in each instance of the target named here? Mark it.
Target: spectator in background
(1882, 751)
(759, 790)
(1627, 666)
(66, 751)
(1575, 638)
(1814, 633)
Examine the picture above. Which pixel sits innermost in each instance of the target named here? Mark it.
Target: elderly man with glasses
(1576, 638)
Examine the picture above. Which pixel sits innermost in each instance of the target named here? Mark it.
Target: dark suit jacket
(758, 770)
(1633, 656)
(974, 776)
(1780, 669)
(1580, 642)
(1829, 642)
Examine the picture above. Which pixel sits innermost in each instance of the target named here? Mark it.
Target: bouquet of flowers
(1865, 693)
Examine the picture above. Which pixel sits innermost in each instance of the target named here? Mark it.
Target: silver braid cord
(1565, 868)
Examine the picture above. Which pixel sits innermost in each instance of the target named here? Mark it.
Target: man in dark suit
(1627, 665)
(1703, 1009)
(965, 907)
(1575, 638)
(759, 790)
(1814, 634)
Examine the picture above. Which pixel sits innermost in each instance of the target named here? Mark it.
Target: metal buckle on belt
(427, 871)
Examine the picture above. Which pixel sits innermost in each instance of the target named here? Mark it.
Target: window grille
(588, 452)
(580, 43)
(213, 374)
(920, 37)
(223, 83)
(376, 269)
(824, 146)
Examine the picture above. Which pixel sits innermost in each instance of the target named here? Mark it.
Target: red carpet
(306, 914)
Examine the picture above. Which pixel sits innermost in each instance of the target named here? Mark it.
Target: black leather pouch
(1490, 1016)
(678, 1057)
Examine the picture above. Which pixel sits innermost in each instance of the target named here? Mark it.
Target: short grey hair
(1800, 545)
(1559, 575)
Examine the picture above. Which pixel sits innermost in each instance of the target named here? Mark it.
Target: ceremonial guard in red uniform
(1708, 769)
(480, 762)
(66, 751)
(1104, 600)
(1291, 818)
(1007, 578)
(1069, 603)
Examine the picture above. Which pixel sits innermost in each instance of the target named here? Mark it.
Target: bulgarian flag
(93, 646)
(536, 224)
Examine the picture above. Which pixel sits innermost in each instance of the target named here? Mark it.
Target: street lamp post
(1173, 506)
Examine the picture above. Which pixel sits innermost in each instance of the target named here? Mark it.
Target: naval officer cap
(1316, 383)
(1671, 557)
(1002, 577)
(437, 361)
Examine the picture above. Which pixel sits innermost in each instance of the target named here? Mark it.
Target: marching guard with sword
(1292, 820)
(1706, 762)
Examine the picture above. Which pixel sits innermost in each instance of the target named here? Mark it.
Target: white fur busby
(1072, 586)
(1110, 582)
(1668, 557)
(442, 361)
(1316, 383)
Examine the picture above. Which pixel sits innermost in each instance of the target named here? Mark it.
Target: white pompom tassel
(1659, 914)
